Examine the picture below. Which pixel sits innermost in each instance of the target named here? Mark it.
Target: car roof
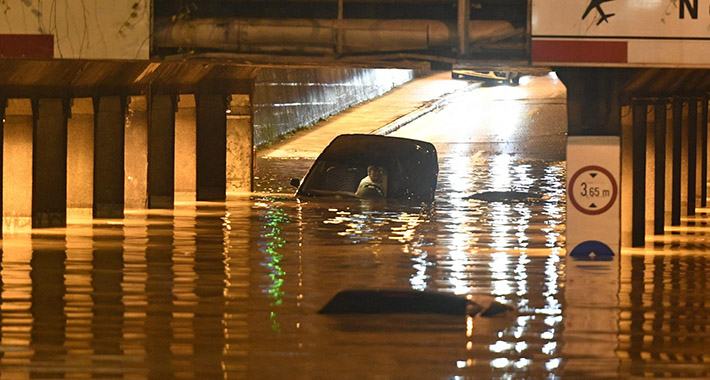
(377, 150)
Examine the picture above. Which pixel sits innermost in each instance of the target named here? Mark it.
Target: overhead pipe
(323, 36)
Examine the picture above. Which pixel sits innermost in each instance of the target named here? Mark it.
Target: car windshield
(371, 166)
(366, 181)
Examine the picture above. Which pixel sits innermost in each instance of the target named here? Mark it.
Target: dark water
(231, 290)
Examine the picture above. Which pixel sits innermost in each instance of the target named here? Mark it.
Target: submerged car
(373, 166)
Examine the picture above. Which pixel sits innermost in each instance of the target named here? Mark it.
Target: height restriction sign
(593, 212)
(593, 190)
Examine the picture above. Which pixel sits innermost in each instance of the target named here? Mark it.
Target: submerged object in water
(505, 196)
(376, 301)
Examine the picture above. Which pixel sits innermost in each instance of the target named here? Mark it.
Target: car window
(334, 177)
(374, 183)
(339, 177)
(409, 168)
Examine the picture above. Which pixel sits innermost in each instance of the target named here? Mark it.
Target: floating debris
(506, 196)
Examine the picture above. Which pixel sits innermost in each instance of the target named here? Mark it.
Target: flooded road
(231, 290)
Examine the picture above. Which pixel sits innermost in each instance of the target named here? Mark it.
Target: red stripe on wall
(26, 46)
(580, 51)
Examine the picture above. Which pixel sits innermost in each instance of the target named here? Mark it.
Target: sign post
(591, 316)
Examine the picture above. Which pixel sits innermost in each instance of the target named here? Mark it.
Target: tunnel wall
(287, 99)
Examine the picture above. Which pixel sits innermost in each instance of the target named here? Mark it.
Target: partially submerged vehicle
(407, 169)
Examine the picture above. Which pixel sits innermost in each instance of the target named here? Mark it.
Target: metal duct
(320, 36)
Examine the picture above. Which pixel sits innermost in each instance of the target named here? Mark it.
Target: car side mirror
(295, 182)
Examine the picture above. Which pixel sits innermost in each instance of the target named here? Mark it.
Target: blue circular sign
(592, 250)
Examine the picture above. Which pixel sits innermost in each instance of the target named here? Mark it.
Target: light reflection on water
(231, 290)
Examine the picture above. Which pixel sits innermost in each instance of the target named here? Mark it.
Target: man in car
(372, 185)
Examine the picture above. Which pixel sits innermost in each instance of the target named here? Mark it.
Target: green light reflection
(271, 242)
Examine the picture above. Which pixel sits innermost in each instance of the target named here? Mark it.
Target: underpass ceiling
(514, 10)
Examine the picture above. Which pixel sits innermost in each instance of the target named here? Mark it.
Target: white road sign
(622, 33)
(593, 211)
(76, 29)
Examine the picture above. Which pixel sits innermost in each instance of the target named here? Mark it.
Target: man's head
(375, 173)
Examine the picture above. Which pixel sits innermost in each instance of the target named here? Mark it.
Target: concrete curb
(423, 110)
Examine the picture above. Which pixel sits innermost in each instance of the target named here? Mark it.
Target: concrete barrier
(285, 100)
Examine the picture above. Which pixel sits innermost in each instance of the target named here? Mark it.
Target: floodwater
(231, 290)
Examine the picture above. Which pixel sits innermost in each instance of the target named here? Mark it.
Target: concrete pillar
(109, 170)
(627, 175)
(240, 152)
(670, 130)
(17, 166)
(659, 177)
(80, 156)
(593, 100)
(638, 228)
(161, 152)
(211, 147)
(650, 153)
(136, 153)
(683, 160)
(698, 145)
(677, 149)
(704, 152)
(185, 147)
(692, 142)
(3, 105)
(49, 168)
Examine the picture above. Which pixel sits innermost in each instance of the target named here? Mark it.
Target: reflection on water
(231, 290)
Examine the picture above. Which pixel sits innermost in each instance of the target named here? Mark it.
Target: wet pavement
(231, 290)
(417, 96)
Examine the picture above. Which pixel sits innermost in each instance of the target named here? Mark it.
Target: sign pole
(591, 316)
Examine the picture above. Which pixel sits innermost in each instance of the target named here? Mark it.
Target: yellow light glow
(469, 326)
